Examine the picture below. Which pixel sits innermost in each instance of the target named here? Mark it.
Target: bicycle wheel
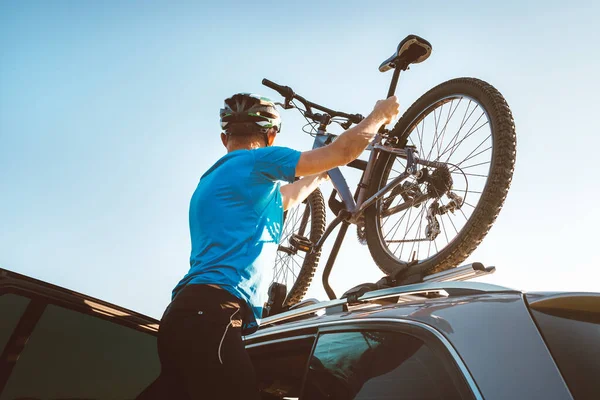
(436, 220)
(295, 265)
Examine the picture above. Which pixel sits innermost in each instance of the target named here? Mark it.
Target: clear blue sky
(109, 115)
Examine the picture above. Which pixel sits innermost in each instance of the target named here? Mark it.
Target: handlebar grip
(285, 91)
(356, 118)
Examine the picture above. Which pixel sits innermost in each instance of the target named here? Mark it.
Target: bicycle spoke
(461, 211)
(456, 230)
(436, 134)
(470, 205)
(457, 105)
(444, 228)
(466, 173)
(429, 249)
(469, 135)
(409, 214)
(397, 223)
(475, 149)
(421, 226)
(299, 268)
(419, 231)
(446, 125)
(455, 189)
(420, 136)
(463, 123)
(476, 165)
(409, 228)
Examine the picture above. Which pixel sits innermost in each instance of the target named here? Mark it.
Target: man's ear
(271, 136)
(224, 139)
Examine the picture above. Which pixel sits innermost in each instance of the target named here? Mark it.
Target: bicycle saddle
(411, 50)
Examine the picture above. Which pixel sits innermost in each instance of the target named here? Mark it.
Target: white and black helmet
(250, 108)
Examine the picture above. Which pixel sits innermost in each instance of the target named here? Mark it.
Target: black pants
(200, 348)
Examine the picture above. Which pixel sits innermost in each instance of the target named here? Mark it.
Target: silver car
(433, 340)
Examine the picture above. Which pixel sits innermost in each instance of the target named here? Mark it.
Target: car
(443, 338)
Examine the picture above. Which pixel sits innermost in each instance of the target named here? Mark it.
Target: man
(236, 217)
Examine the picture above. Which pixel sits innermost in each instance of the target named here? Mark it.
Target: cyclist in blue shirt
(236, 219)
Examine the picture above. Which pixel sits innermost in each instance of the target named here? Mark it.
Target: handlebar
(285, 91)
(289, 95)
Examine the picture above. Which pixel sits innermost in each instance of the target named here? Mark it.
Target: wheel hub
(439, 182)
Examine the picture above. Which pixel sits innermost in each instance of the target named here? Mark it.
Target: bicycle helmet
(247, 108)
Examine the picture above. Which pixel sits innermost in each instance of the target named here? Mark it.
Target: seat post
(394, 82)
(392, 90)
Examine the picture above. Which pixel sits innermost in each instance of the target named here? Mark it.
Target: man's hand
(349, 145)
(386, 110)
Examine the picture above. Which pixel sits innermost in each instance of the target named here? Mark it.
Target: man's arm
(349, 145)
(296, 192)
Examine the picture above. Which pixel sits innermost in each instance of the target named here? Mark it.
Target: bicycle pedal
(301, 243)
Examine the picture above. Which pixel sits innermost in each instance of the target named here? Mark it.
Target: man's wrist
(376, 118)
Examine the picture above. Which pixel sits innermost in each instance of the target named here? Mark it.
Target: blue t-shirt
(236, 220)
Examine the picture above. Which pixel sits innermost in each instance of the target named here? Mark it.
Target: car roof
(395, 302)
(10, 280)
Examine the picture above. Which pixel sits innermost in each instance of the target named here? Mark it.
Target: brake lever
(346, 125)
(288, 103)
(284, 106)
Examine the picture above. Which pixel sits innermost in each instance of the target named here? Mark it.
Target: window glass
(574, 341)
(280, 367)
(71, 355)
(376, 365)
(12, 307)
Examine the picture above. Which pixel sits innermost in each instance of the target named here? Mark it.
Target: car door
(383, 360)
(54, 349)
(280, 362)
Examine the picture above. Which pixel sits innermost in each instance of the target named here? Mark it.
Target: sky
(109, 116)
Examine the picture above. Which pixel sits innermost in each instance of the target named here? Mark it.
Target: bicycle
(402, 178)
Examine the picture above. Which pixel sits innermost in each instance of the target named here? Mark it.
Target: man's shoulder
(274, 152)
(234, 159)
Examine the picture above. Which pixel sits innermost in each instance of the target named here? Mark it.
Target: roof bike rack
(449, 282)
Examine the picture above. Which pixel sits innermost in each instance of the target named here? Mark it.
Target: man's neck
(250, 146)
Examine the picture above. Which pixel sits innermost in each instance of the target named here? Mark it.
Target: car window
(71, 355)
(12, 307)
(574, 341)
(376, 365)
(280, 367)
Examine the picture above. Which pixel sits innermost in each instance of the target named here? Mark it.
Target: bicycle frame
(339, 182)
(353, 210)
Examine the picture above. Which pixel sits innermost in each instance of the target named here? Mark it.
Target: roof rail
(440, 282)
